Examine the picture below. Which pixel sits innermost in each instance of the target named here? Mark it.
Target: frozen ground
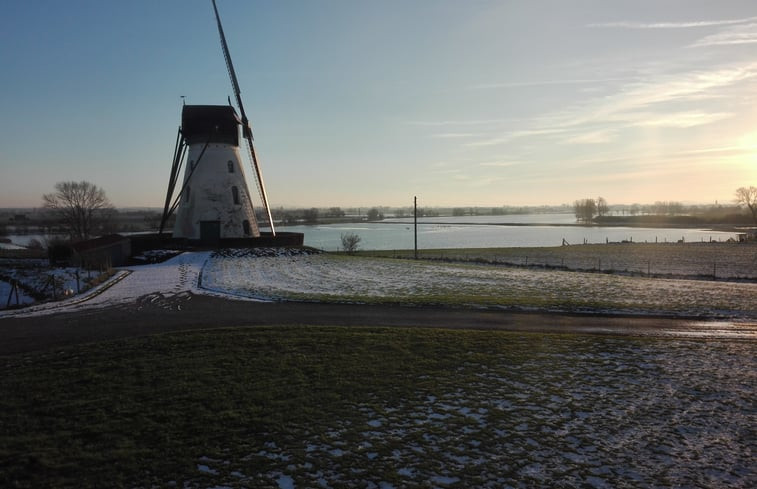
(178, 275)
(576, 412)
(268, 274)
(732, 261)
(10, 297)
(342, 278)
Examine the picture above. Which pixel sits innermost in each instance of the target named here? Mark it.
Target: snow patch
(285, 482)
(207, 470)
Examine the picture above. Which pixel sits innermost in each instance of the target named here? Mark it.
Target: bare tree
(375, 215)
(602, 207)
(748, 197)
(585, 209)
(350, 242)
(311, 215)
(78, 204)
(335, 212)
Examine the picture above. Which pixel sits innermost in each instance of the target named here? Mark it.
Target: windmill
(213, 201)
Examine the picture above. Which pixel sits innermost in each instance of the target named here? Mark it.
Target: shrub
(350, 242)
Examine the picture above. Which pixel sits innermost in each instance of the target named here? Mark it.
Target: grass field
(361, 279)
(369, 407)
(728, 261)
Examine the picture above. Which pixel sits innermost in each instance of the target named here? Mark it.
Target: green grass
(245, 407)
(142, 411)
(702, 260)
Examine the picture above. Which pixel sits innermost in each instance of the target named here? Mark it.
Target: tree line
(586, 209)
(84, 209)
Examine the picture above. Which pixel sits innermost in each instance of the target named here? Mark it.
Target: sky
(362, 103)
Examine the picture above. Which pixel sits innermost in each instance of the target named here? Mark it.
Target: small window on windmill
(186, 195)
(230, 164)
(235, 195)
(246, 227)
(191, 164)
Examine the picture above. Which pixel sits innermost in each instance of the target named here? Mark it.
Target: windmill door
(210, 232)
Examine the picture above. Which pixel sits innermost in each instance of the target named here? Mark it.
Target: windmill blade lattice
(246, 129)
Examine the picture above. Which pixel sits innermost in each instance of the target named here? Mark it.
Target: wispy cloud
(458, 122)
(500, 163)
(673, 25)
(539, 83)
(509, 136)
(646, 103)
(676, 87)
(593, 137)
(680, 119)
(651, 103)
(739, 34)
(454, 135)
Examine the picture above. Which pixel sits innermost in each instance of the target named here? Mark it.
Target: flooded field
(546, 411)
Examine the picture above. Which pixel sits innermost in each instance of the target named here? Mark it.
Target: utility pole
(415, 224)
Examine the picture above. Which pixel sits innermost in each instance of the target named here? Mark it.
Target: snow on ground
(344, 278)
(293, 274)
(574, 412)
(177, 275)
(6, 297)
(10, 246)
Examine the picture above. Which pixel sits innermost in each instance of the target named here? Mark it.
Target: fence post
(14, 288)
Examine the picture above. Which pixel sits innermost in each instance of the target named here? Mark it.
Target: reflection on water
(451, 232)
(475, 232)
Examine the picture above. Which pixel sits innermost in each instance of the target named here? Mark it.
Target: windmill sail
(246, 129)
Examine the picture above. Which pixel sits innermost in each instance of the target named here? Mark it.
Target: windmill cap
(214, 123)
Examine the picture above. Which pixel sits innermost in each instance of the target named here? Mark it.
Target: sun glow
(748, 145)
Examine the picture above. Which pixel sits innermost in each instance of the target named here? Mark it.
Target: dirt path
(156, 313)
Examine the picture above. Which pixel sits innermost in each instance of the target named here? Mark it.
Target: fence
(733, 262)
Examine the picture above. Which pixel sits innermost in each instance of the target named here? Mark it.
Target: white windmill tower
(214, 201)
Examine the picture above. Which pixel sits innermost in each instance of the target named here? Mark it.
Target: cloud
(676, 87)
(458, 122)
(454, 135)
(740, 34)
(594, 137)
(672, 25)
(681, 119)
(645, 103)
(635, 104)
(507, 137)
(500, 163)
(538, 83)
